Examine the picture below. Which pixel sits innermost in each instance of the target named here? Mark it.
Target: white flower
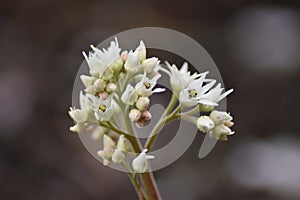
(180, 79)
(122, 147)
(123, 144)
(205, 124)
(78, 115)
(129, 96)
(189, 96)
(140, 163)
(145, 86)
(102, 107)
(108, 150)
(213, 97)
(118, 156)
(150, 63)
(135, 58)
(98, 61)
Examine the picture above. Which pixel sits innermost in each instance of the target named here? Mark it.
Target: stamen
(102, 108)
(192, 93)
(147, 85)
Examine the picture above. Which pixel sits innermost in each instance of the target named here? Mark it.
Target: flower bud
(140, 163)
(143, 103)
(146, 115)
(124, 55)
(117, 65)
(99, 85)
(205, 124)
(205, 108)
(220, 117)
(122, 144)
(107, 74)
(134, 115)
(108, 142)
(118, 156)
(150, 63)
(129, 96)
(111, 87)
(87, 80)
(103, 95)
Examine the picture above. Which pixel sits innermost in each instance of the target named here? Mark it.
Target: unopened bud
(150, 63)
(124, 55)
(146, 115)
(205, 108)
(111, 87)
(103, 95)
(143, 103)
(134, 115)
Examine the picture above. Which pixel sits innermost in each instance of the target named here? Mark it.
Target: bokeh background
(254, 43)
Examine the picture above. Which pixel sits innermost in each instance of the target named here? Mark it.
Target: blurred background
(254, 43)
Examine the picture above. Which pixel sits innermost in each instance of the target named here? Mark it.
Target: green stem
(161, 122)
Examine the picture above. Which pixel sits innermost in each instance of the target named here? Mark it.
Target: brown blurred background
(254, 43)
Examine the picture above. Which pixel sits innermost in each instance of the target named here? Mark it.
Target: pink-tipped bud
(103, 95)
(146, 115)
(124, 55)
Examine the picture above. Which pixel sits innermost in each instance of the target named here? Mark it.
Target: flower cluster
(217, 124)
(117, 93)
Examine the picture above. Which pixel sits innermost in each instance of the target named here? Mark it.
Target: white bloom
(98, 61)
(102, 108)
(180, 79)
(122, 147)
(145, 86)
(78, 115)
(129, 96)
(135, 58)
(190, 95)
(123, 144)
(150, 63)
(215, 95)
(140, 163)
(205, 124)
(118, 156)
(108, 150)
